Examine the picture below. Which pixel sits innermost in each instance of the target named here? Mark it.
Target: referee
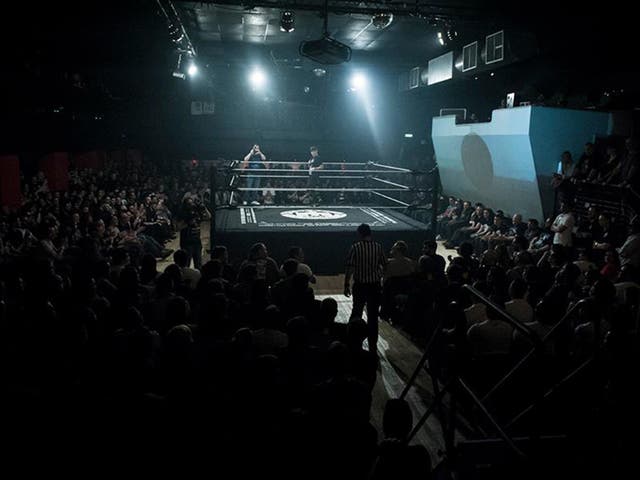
(365, 263)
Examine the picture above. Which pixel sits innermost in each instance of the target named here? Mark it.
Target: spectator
(630, 249)
(563, 226)
(518, 307)
(400, 264)
(298, 254)
(397, 459)
(190, 276)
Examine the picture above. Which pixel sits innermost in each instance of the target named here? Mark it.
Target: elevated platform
(325, 232)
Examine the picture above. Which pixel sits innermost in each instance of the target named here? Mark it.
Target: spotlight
(358, 82)
(408, 135)
(441, 38)
(192, 70)
(287, 21)
(382, 20)
(319, 72)
(257, 78)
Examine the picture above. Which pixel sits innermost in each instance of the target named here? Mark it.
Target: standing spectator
(191, 216)
(563, 226)
(254, 161)
(365, 263)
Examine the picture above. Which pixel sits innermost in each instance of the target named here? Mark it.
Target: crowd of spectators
(92, 329)
(221, 362)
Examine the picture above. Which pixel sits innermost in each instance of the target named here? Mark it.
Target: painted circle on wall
(477, 162)
(313, 214)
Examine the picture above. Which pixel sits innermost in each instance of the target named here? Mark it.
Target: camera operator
(254, 160)
(191, 214)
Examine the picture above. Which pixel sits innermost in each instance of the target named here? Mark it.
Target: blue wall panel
(506, 163)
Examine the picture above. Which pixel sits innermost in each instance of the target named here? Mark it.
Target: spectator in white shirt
(518, 307)
(563, 226)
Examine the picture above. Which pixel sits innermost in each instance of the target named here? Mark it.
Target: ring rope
(405, 170)
(260, 189)
(404, 204)
(331, 171)
(301, 176)
(390, 183)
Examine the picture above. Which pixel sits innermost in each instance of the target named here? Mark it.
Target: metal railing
(456, 386)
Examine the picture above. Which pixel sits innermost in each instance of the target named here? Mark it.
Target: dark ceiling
(220, 32)
(124, 47)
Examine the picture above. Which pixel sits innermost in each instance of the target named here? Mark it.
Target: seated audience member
(452, 210)
(400, 264)
(608, 236)
(475, 223)
(533, 230)
(221, 253)
(266, 267)
(611, 267)
(542, 242)
(396, 458)
(630, 170)
(630, 250)
(513, 231)
(518, 307)
(431, 260)
(282, 290)
(269, 337)
(298, 254)
(477, 312)
(190, 276)
(491, 337)
(612, 167)
(457, 221)
(589, 164)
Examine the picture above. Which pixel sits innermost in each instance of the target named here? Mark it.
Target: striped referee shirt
(366, 260)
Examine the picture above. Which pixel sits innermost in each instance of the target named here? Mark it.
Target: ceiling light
(257, 78)
(287, 21)
(382, 20)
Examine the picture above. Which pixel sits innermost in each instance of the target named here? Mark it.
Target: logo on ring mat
(312, 214)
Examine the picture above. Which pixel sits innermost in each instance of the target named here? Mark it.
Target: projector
(326, 50)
